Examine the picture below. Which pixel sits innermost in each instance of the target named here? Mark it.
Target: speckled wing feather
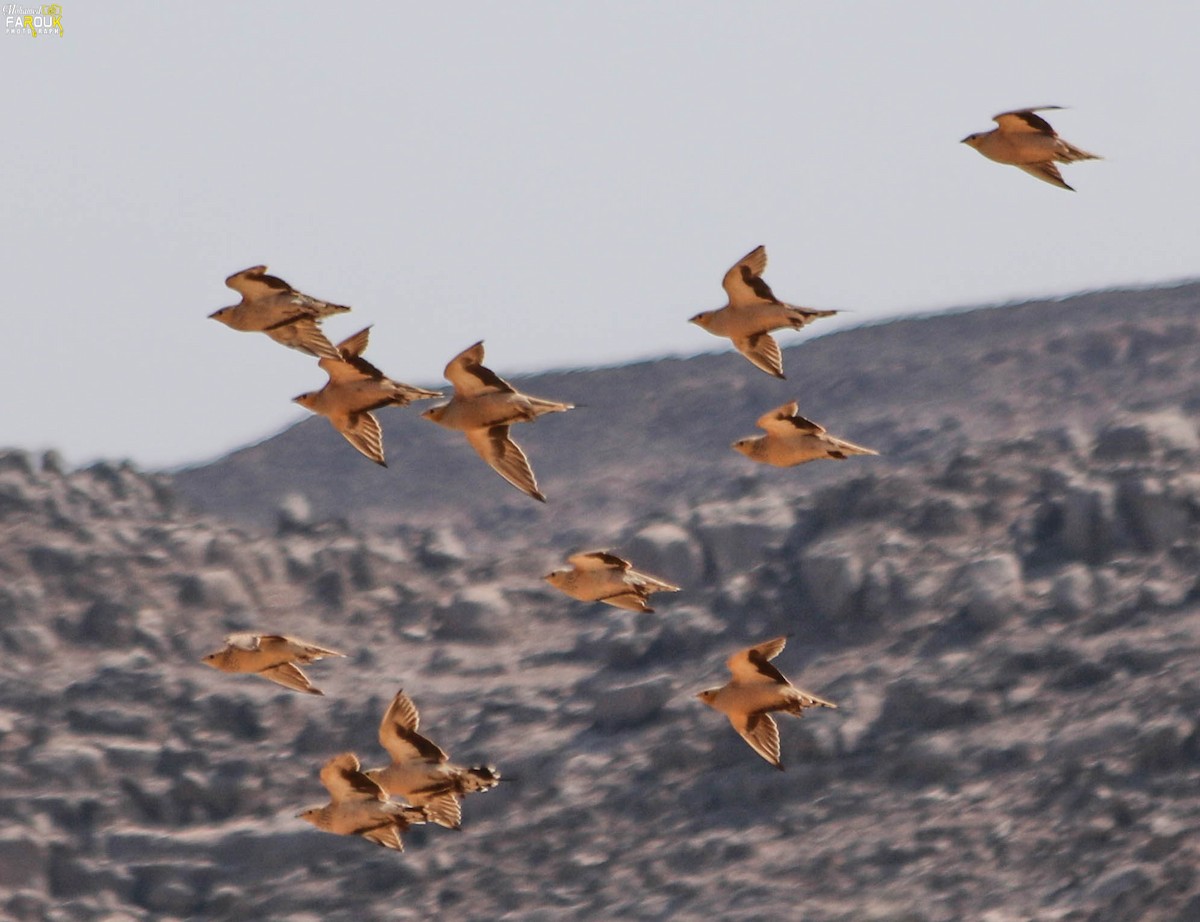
(761, 732)
(506, 458)
(762, 350)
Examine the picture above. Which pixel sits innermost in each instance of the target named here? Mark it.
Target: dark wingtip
(540, 497)
(315, 691)
(779, 765)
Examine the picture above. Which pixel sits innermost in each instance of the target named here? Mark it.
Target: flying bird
(598, 576)
(483, 407)
(272, 656)
(420, 771)
(1026, 140)
(360, 807)
(355, 388)
(753, 312)
(756, 689)
(791, 439)
(272, 306)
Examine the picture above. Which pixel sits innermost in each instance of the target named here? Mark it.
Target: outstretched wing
(469, 376)
(752, 666)
(344, 781)
(254, 283)
(597, 560)
(743, 282)
(762, 350)
(398, 733)
(506, 458)
(1025, 120)
(761, 732)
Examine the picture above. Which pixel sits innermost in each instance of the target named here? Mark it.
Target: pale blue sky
(567, 181)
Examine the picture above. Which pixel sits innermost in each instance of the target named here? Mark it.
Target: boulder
(667, 550)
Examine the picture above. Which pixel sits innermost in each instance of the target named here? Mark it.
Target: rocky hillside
(1008, 616)
(649, 433)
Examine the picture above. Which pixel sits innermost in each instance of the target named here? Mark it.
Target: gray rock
(294, 514)
(667, 550)
(737, 535)
(832, 579)
(991, 588)
(23, 860)
(1073, 591)
(1157, 519)
(631, 705)
(477, 614)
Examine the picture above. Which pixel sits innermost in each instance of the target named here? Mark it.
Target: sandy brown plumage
(483, 407)
(753, 312)
(601, 576)
(1025, 140)
(272, 656)
(791, 439)
(420, 771)
(270, 305)
(755, 690)
(356, 388)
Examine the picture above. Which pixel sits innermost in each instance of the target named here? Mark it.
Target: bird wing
(344, 781)
(786, 419)
(398, 733)
(349, 365)
(760, 731)
(1047, 172)
(300, 331)
(444, 809)
(506, 458)
(245, 641)
(743, 282)
(301, 651)
(386, 834)
(752, 666)
(290, 676)
(629, 599)
(598, 560)
(762, 350)
(1025, 120)
(469, 376)
(254, 283)
(363, 432)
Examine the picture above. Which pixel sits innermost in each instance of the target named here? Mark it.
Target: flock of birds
(483, 407)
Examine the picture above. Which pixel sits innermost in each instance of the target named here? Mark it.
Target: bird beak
(965, 140)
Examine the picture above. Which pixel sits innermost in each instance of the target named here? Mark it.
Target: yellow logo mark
(50, 20)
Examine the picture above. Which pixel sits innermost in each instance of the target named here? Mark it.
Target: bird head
(973, 139)
(310, 815)
(703, 319)
(221, 315)
(745, 446)
(212, 659)
(435, 414)
(306, 400)
(556, 577)
(708, 695)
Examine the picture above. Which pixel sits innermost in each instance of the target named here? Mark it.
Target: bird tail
(799, 317)
(843, 449)
(1069, 153)
(540, 407)
(479, 778)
